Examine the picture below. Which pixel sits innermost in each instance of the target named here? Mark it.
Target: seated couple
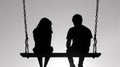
(78, 39)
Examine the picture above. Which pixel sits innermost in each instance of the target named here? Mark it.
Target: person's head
(44, 22)
(77, 20)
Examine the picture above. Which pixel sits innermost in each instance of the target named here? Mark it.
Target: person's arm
(69, 38)
(68, 43)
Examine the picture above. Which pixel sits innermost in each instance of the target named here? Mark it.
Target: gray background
(60, 12)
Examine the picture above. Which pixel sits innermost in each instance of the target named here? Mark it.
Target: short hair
(77, 19)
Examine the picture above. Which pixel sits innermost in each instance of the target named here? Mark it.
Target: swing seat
(93, 55)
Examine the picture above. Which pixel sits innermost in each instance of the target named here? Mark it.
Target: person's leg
(40, 61)
(81, 59)
(46, 61)
(71, 61)
(50, 50)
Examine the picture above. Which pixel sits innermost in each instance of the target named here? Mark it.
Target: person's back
(81, 37)
(42, 35)
(78, 40)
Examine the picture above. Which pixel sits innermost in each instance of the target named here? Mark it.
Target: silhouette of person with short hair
(78, 40)
(42, 36)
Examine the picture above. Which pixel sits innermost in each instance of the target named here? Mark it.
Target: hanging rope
(95, 31)
(25, 23)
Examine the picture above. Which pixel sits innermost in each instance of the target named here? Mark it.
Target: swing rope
(25, 23)
(95, 28)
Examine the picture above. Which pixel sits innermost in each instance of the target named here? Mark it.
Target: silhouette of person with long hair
(42, 36)
(78, 40)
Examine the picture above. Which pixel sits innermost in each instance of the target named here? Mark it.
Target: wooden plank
(60, 55)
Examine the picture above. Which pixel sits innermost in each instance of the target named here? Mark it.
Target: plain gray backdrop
(60, 12)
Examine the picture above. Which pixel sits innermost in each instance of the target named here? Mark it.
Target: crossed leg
(71, 61)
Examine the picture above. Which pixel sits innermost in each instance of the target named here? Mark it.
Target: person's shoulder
(85, 27)
(71, 28)
(35, 30)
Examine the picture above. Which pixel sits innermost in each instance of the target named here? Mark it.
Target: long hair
(44, 24)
